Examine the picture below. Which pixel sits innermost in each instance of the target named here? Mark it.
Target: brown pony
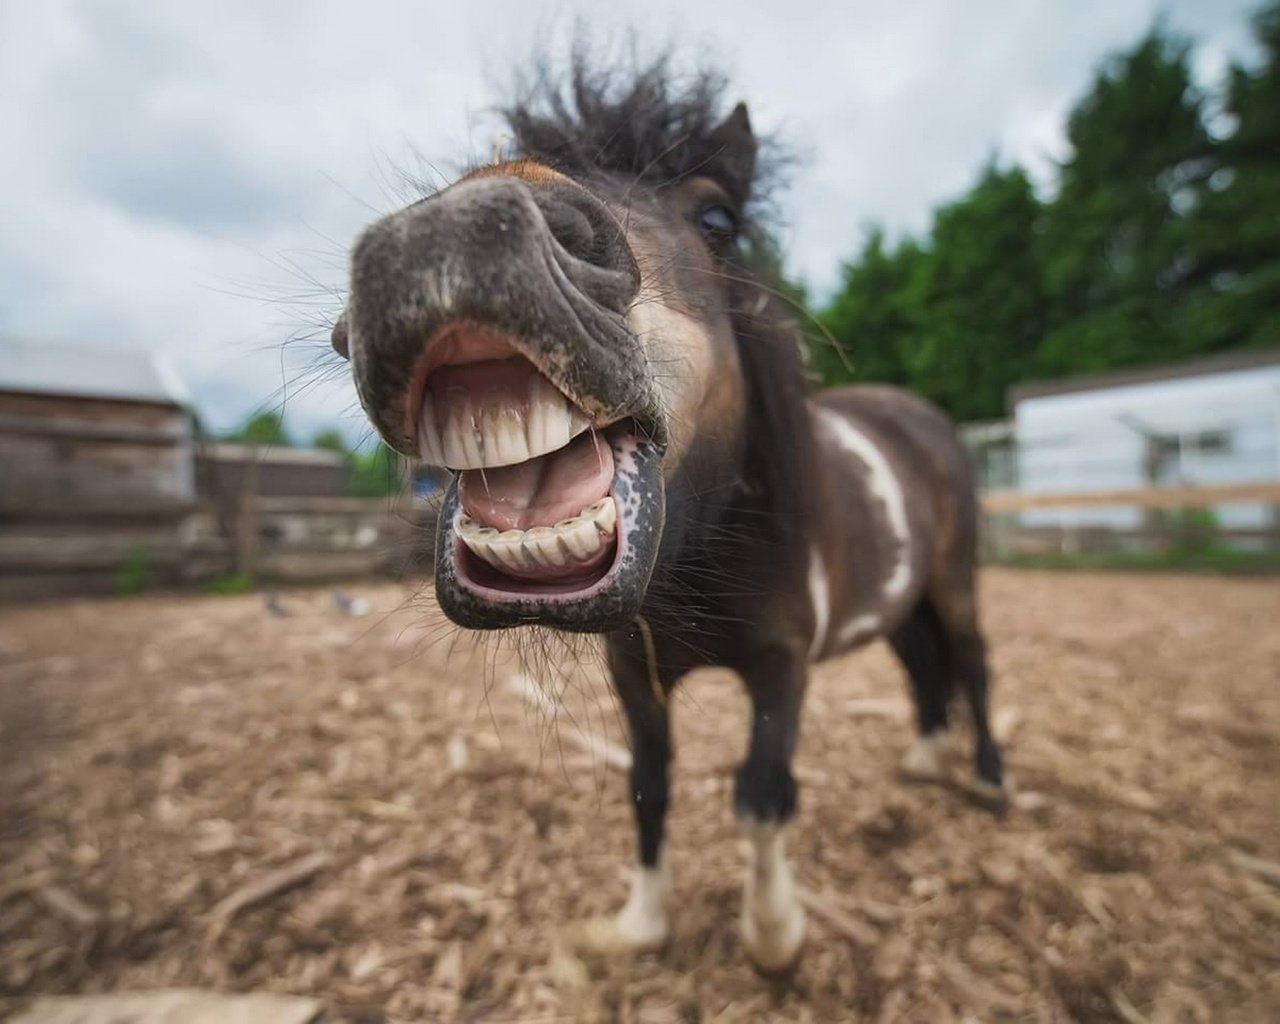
(584, 336)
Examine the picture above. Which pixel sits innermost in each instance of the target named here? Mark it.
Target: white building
(1207, 421)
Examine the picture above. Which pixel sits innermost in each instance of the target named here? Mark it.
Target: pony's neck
(738, 523)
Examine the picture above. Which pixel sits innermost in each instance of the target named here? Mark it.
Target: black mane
(644, 120)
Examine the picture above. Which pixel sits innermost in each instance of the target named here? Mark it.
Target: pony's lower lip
(574, 582)
(609, 591)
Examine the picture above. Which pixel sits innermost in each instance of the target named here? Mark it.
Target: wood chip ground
(383, 815)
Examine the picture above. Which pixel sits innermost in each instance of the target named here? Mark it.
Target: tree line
(1161, 241)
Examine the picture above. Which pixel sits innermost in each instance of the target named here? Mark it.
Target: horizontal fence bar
(1198, 496)
(305, 506)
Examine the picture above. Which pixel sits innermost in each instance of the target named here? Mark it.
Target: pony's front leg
(643, 922)
(773, 922)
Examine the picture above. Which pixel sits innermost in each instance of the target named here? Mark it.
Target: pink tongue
(542, 491)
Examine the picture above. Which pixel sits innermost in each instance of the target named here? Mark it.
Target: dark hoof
(987, 795)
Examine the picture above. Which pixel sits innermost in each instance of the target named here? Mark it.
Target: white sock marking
(772, 918)
(642, 922)
(926, 758)
(820, 597)
(885, 486)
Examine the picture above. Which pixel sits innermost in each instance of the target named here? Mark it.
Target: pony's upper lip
(479, 400)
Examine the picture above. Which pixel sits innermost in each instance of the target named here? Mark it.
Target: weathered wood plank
(172, 1006)
(1264, 492)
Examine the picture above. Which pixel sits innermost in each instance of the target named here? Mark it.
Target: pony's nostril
(584, 228)
(572, 229)
(600, 262)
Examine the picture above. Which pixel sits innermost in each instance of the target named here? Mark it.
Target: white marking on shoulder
(820, 598)
(885, 486)
(772, 917)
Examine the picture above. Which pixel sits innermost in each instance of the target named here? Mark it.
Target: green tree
(1235, 229)
(376, 473)
(873, 318)
(981, 308)
(262, 428)
(1114, 247)
(330, 440)
(957, 319)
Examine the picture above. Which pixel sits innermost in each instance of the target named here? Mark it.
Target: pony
(589, 336)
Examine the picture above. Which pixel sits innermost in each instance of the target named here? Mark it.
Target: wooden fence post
(246, 547)
(246, 550)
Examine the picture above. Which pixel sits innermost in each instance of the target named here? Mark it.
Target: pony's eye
(717, 223)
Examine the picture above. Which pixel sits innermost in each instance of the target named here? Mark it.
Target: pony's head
(561, 330)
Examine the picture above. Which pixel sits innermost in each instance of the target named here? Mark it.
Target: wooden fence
(95, 548)
(105, 547)
(1004, 535)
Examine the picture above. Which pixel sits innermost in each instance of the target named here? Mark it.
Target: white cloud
(175, 163)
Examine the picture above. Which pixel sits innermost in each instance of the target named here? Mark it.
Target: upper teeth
(479, 435)
(569, 541)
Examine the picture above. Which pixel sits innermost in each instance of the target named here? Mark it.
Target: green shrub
(230, 583)
(134, 575)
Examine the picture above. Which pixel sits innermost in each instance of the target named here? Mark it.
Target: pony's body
(582, 331)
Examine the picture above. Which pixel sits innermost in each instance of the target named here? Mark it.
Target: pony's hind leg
(970, 655)
(967, 663)
(922, 645)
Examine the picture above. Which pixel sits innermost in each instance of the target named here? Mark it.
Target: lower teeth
(569, 542)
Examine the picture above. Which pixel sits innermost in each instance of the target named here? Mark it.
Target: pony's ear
(734, 158)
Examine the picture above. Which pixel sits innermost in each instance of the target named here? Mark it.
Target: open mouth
(551, 517)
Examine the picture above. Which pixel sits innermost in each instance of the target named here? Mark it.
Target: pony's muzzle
(488, 333)
(544, 267)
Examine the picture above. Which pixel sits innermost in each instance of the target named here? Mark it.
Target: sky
(186, 177)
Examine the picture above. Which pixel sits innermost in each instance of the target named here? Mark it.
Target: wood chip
(264, 888)
(454, 892)
(166, 1006)
(976, 993)
(384, 810)
(807, 775)
(1128, 1012)
(67, 905)
(457, 753)
(1005, 722)
(881, 913)
(824, 907)
(873, 707)
(29, 883)
(600, 749)
(1268, 870)
(447, 972)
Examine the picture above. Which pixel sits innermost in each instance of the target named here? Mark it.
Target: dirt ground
(377, 812)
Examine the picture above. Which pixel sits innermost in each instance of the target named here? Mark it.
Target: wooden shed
(87, 426)
(227, 470)
(96, 469)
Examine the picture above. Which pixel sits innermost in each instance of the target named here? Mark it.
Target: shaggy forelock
(646, 121)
